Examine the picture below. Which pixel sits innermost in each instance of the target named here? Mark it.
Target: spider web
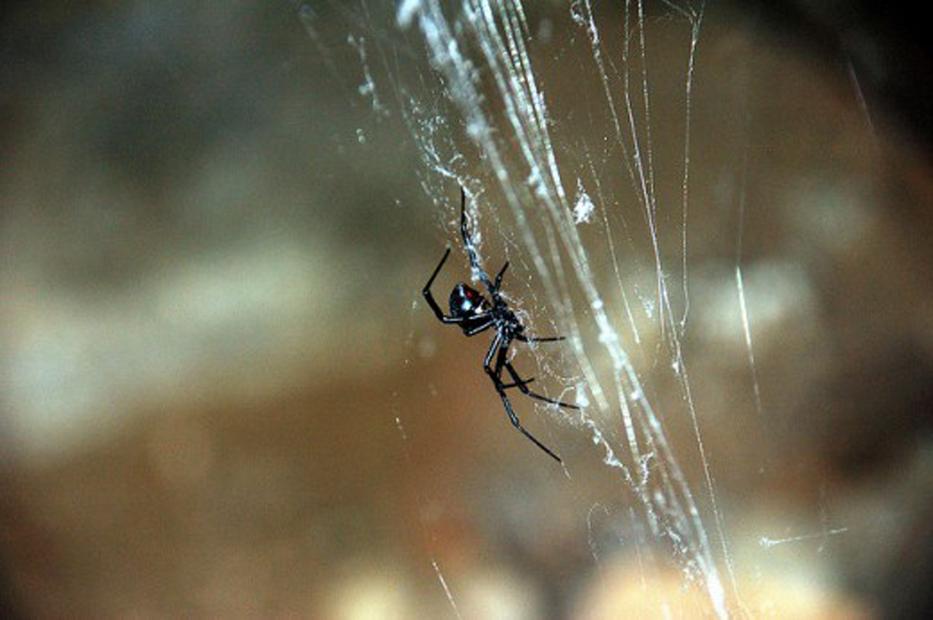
(577, 194)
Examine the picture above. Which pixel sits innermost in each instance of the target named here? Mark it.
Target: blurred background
(222, 394)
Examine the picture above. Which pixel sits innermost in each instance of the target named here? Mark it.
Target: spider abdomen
(467, 302)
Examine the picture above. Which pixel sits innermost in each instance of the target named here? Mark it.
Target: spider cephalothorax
(473, 313)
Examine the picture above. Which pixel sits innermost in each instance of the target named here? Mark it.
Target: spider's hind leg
(429, 296)
(499, 275)
(470, 247)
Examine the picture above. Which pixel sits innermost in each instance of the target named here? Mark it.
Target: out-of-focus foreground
(223, 395)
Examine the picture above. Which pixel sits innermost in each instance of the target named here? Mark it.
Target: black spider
(475, 314)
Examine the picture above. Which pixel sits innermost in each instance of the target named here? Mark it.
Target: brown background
(212, 251)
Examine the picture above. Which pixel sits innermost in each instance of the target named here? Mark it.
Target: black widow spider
(474, 314)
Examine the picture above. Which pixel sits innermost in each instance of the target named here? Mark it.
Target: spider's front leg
(522, 384)
(502, 345)
(518, 383)
(533, 340)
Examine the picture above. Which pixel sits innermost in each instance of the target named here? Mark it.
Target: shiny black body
(474, 314)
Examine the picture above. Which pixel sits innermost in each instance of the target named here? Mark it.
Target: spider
(474, 314)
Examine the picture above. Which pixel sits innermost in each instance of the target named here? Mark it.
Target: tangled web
(562, 170)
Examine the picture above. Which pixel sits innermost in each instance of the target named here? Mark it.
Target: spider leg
(522, 385)
(499, 275)
(426, 291)
(488, 322)
(493, 348)
(508, 386)
(534, 340)
(495, 375)
(468, 244)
